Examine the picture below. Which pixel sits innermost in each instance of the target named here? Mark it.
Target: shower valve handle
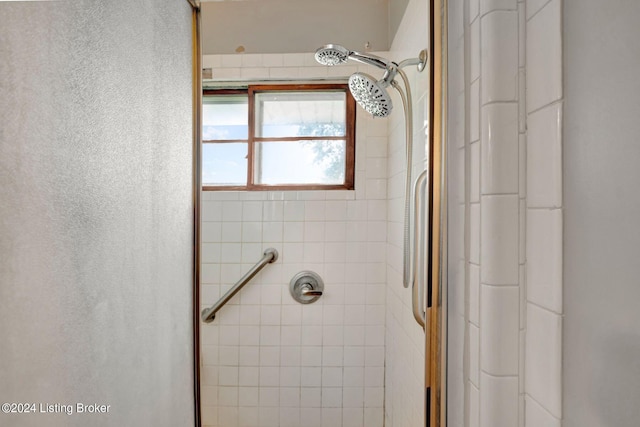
(306, 287)
(307, 290)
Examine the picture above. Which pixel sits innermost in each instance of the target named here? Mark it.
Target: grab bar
(208, 314)
(417, 300)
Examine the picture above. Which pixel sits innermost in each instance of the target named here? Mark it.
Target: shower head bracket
(420, 61)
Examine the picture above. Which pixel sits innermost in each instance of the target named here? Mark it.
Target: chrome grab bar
(208, 314)
(417, 297)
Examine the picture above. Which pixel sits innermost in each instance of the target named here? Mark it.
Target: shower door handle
(417, 287)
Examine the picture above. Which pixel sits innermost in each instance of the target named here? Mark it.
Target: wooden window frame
(251, 91)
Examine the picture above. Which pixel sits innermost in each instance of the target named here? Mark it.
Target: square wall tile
(544, 158)
(474, 294)
(544, 57)
(499, 240)
(474, 355)
(474, 233)
(231, 60)
(211, 61)
(474, 50)
(227, 415)
(474, 172)
(354, 356)
(499, 148)
(474, 111)
(331, 377)
(543, 368)
(544, 258)
(474, 9)
(534, 6)
(254, 73)
(331, 417)
(536, 415)
(474, 406)
(498, 401)
(499, 334)
(487, 6)
(499, 56)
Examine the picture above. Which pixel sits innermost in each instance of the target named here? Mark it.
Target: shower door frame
(196, 23)
(436, 295)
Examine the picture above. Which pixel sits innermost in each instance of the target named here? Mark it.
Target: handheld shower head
(372, 95)
(332, 54)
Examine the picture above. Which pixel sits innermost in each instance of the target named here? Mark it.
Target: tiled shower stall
(356, 357)
(268, 360)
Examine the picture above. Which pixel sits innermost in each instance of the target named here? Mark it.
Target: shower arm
(420, 61)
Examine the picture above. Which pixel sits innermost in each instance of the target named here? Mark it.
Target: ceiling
(296, 26)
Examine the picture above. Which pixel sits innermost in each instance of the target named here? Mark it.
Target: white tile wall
(487, 6)
(499, 145)
(499, 56)
(499, 335)
(544, 56)
(499, 240)
(544, 213)
(544, 359)
(544, 183)
(498, 401)
(538, 416)
(544, 261)
(405, 340)
(267, 360)
(514, 201)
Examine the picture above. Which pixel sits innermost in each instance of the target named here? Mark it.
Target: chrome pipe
(417, 291)
(209, 314)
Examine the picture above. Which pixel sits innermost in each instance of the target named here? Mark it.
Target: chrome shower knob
(306, 287)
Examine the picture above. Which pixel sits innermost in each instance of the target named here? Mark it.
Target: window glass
(281, 114)
(224, 164)
(291, 136)
(225, 117)
(300, 162)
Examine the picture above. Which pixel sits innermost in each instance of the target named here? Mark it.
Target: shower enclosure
(356, 356)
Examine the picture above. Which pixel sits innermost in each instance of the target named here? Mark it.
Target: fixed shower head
(332, 54)
(372, 95)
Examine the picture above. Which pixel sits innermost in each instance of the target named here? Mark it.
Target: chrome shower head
(332, 54)
(372, 95)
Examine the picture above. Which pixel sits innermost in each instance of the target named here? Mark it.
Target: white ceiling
(296, 26)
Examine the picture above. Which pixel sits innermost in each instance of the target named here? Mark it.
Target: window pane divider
(223, 141)
(252, 134)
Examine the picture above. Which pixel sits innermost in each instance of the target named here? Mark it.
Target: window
(279, 137)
